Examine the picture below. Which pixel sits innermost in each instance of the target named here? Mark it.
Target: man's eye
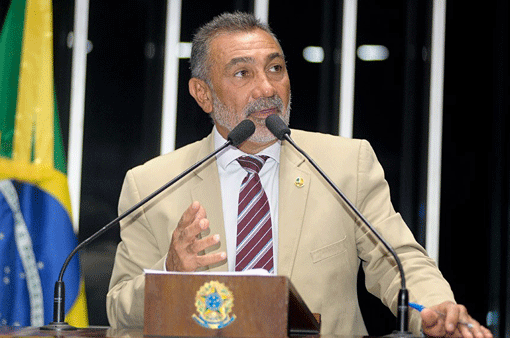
(241, 73)
(276, 68)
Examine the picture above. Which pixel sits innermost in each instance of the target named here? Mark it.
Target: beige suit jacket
(321, 244)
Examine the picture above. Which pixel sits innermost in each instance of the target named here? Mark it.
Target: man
(238, 72)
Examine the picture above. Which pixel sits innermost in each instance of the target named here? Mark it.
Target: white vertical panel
(171, 76)
(347, 67)
(261, 10)
(77, 109)
(435, 128)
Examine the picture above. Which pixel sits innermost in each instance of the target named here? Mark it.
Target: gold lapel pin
(299, 182)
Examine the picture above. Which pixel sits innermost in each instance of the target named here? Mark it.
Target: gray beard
(226, 117)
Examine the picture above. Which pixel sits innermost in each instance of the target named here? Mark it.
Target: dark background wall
(123, 111)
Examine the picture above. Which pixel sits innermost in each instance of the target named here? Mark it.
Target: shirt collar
(231, 153)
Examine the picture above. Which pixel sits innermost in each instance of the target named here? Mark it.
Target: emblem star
(214, 301)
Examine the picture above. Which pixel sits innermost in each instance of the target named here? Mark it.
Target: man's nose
(263, 87)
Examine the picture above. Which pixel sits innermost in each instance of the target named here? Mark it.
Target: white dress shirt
(231, 176)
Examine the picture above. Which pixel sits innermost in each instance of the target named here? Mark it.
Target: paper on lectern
(253, 272)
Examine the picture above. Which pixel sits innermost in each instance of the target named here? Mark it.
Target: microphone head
(241, 132)
(276, 125)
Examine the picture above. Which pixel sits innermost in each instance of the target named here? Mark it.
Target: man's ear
(201, 93)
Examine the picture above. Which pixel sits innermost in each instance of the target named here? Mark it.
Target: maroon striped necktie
(254, 247)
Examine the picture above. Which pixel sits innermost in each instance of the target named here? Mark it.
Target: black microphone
(279, 129)
(237, 136)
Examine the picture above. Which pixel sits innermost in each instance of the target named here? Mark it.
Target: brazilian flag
(36, 232)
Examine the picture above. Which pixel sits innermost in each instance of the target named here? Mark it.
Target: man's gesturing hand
(185, 244)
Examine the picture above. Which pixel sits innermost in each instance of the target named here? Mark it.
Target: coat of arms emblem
(214, 302)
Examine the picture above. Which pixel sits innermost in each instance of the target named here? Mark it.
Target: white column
(171, 76)
(435, 128)
(261, 10)
(77, 109)
(347, 67)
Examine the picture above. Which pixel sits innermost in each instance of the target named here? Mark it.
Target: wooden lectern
(206, 305)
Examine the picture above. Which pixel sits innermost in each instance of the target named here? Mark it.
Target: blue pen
(419, 308)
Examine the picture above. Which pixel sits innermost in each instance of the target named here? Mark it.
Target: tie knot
(252, 163)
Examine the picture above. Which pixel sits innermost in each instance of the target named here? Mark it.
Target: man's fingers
(470, 330)
(202, 244)
(474, 329)
(454, 314)
(185, 257)
(185, 244)
(486, 332)
(433, 324)
(211, 258)
(194, 211)
(193, 221)
(451, 320)
(189, 234)
(188, 216)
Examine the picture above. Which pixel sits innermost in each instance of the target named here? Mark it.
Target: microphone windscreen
(276, 125)
(241, 132)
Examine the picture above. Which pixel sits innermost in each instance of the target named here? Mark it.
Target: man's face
(249, 80)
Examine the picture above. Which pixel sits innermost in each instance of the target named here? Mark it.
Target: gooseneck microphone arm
(237, 136)
(279, 129)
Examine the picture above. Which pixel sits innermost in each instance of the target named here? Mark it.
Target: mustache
(264, 103)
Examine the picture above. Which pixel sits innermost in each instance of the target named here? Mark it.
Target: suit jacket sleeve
(425, 283)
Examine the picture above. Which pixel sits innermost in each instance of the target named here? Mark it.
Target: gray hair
(224, 23)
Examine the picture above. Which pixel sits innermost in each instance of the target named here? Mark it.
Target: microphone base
(58, 326)
(400, 334)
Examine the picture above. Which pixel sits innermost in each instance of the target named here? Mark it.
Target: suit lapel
(208, 192)
(292, 203)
